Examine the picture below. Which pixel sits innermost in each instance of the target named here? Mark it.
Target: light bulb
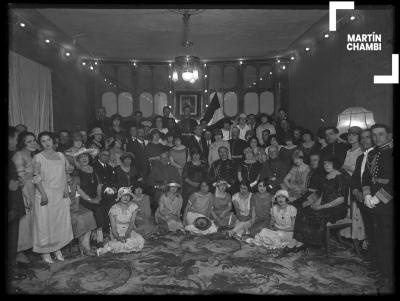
(270, 72)
(22, 24)
(187, 76)
(95, 62)
(278, 60)
(308, 48)
(205, 75)
(192, 81)
(83, 63)
(240, 62)
(91, 67)
(175, 76)
(47, 41)
(68, 53)
(205, 91)
(105, 79)
(292, 58)
(195, 74)
(352, 18)
(283, 67)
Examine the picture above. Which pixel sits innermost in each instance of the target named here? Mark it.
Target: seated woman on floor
(168, 213)
(221, 212)
(124, 238)
(310, 226)
(199, 206)
(242, 204)
(144, 220)
(261, 206)
(82, 219)
(283, 218)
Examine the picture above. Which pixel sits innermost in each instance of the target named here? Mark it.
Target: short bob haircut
(153, 132)
(115, 116)
(77, 136)
(21, 139)
(138, 184)
(297, 154)
(332, 159)
(245, 183)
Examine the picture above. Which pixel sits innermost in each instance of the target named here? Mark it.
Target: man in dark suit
(377, 188)
(101, 120)
(334, 147)
(197, 142)
(136, 145)
(237, 146)
(104, 171)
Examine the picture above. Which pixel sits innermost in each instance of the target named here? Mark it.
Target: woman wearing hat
(96, 138)
(168, 213)
(213, 150)
(199, 206)
(124, 238)
(283, 217)
(89, 189)
(82, 219)
(144, 222)
(349, 165)
(221, 212)
(241, 123)
(126, 172)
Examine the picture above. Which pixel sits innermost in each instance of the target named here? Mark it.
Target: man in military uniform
(274, 170)
(377, 188)
(186, 126)
(223, 168)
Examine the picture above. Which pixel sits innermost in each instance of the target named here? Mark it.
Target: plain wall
(329, 79)
(72, 87)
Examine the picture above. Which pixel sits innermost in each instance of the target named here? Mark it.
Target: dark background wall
(72, 87)
(330, 79)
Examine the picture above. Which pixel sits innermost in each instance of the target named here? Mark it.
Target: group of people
(262, 179)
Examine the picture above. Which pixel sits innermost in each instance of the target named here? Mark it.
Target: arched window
(230, 104)
(251, 103)
(146, 104)
(125, 104)
(109, 101)
(160, 100)
(267, 104)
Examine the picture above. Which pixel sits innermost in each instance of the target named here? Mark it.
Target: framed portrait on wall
(188, 98)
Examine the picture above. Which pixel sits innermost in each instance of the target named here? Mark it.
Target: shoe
(298, 249)
(47, 258)
(19, 276)
(59, 255)
(88, 252)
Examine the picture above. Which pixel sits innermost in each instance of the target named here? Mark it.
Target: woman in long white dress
(23, 163)
(52, 229)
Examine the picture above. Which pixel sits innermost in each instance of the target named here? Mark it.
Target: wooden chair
(341, 224)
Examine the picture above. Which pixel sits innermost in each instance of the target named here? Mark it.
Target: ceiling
(156, 34)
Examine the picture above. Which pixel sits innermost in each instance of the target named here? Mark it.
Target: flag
(213, 109)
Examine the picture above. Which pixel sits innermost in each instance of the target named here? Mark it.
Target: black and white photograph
(201, 150)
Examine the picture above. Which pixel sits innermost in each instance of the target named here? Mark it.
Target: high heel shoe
(47, 258)
(59, 255)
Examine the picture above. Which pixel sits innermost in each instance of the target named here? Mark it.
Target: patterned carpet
(186, 264)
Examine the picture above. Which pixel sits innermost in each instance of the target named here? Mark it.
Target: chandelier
(187, 65)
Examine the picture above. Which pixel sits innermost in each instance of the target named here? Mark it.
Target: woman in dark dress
(310, 227)
(89, 189)
(249, 170)
(194, 172)
(116, 130)
(125, 172)
(154, 148)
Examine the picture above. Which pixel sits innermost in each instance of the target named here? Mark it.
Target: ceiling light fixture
(187, 65)
(47, 41)
(352, 18)
(292, 58)
(68, 53)
(278, 60)
(91, 68)
(308, 48)
(83, 63)
(22, 24)
(326, 35)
